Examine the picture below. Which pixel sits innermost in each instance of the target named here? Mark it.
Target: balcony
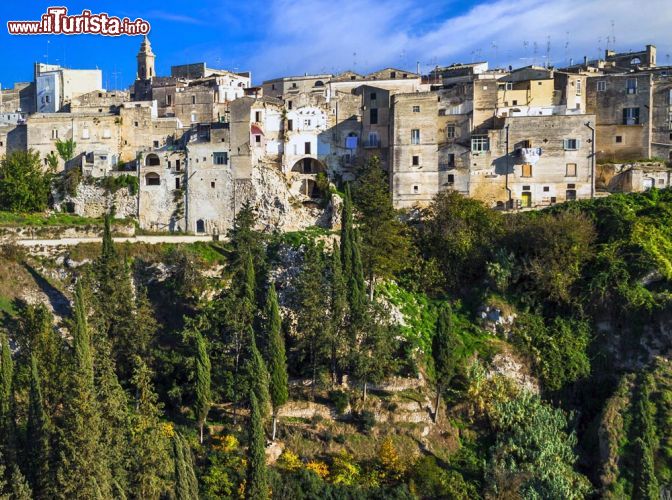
(372, 143)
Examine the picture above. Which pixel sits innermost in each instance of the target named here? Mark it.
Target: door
(527, 199)
(648, 183)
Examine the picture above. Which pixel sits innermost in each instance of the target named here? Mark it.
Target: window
(221, 158)
(570, 170)
(168, 99)
(393, 74)
(515, 102)
(415, 136)
(54, 133)
(257, 116)
(156, 144)
(85, 133)
(416, 109)
(257, 139)
(306, 122)
(289, 104)
(442, 112)
(571, 144)
(294, 85)
(631, 86)
(416, 160)
(135, 124)
(272, 86)
(451, 159)
(106, 133)
(527, 170)
(152, 179)
(661, 181)
(416, 189)
(479, 143)
(212, 184)
(306, 148)
(578, 87)
(373, 116)
(601, 85)
(177, 165)
(450, 131)
(193, 99)
(619, 139)
(290, 124)
(631, 116)
(193, 117)
(451, 179)
(373, 140)
(546, 189)
(372, 96)
(177, 183)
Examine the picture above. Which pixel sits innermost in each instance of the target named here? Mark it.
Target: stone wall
(93, 200)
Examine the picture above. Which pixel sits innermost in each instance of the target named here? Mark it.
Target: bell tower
(146, 60)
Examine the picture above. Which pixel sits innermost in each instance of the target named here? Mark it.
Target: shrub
(340, 400)
(366, 420)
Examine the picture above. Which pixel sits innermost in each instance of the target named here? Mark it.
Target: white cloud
(364, 35)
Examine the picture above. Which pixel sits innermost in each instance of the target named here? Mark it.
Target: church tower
(146, 60)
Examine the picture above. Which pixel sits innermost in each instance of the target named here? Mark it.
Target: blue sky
(283, 37)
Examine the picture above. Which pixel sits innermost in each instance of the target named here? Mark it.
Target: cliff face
(278, 206)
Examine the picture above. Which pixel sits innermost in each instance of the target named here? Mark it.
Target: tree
(151, 465)
(458, 234)
(445, 353)
(386, 245)
(82, 468)
(310, 290)
(186, 484)
(66, 149)
(203, 397)
(646, 485)
(24, 186)
(276, 359)
(7, 428)
(339, 306)
(256, 485)
(254, 375)
(38, 437)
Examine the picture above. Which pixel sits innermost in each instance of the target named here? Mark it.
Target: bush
(340, 400)
(365, 420)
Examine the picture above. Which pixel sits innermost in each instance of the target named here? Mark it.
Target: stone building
(55, 87)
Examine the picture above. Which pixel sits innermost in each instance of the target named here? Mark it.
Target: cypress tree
(256, 485)
(445, 348)
(6, 411)
(275, 357)
(646, 484)
(115, 428)
(38, 436)
(20, 488)
(82, 469)
(255, 375)
(151, 464)
(203, 395)
(108, 251)
(186, 484)
(339, 306)
(346, 234)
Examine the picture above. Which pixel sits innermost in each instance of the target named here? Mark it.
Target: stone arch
(152, 179)
(152, 160)
(319, 83)
(635, 60)
(309, 166)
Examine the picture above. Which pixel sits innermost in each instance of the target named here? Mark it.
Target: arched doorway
(308, 166)
(200, 226)
(309, 188)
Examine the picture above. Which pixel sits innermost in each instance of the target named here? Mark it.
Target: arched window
(319, 83)
(152, 160)
(200, 226)
(635, 60)
(152, 179)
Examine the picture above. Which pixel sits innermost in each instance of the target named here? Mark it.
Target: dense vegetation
(175, 387)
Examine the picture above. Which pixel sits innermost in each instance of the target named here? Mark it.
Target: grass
(10, 219)
(7, 305)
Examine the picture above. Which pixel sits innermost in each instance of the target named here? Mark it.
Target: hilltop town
(204, 141)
